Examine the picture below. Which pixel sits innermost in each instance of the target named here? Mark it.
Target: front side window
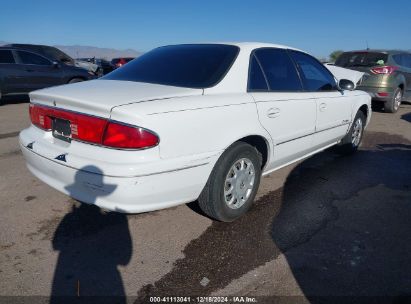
(6, 56)
(279, 70)
(316, 77)
(30, 58)
(187, 65)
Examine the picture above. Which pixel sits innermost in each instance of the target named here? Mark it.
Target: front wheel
(233, 183)
(352, 140)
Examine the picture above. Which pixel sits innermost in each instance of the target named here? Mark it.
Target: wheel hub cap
(397, 99)
(239, 183)
(356, 132)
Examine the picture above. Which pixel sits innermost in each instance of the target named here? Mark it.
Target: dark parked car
(50, 52)
(105, 66)
(22, 71)
(387, 75)
(118, 62)
(55, 54)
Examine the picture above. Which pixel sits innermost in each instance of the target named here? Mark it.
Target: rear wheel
(74, 80)
(233, 183)
(352, 140)
(393, 105)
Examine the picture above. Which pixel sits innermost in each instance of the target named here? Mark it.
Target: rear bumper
(378, 93)
(128, 194)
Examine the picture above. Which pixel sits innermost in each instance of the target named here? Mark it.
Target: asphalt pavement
(328, 227)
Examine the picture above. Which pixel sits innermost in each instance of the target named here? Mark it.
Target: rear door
(333, 107)
(284, 110)
(10, 74)
(40, 72)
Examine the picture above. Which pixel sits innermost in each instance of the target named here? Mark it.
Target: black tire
(212, 200)
(348, 145)
(74, 80)
(393, 105)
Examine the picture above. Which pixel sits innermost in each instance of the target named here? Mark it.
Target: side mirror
(345, 84)
(56, 64)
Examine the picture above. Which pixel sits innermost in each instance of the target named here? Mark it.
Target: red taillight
(384, 70)
(382, 94)
(94, 130)
(128, 137)
(39, 117)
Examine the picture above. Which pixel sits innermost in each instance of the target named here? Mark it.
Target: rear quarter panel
(195, 125)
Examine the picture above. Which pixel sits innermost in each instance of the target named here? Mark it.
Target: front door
(333, 106)
(40, 72)
(284, 110)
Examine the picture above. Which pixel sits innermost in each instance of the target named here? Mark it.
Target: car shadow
(91, 244)
(341, 222)
(406, 117)
(344, 230)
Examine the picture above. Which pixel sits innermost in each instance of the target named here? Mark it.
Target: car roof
(246, 45)
(5, 47)
(385, 51)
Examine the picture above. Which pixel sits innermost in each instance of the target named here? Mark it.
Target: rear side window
(407, 60)
(403, 60)
(30, 58)
(6, 56)
(187, 65)
(358, 59)
(279, 70)
(315, 75)
(256, 79)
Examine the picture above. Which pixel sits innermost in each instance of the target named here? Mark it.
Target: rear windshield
(188, 65)
(366, 59)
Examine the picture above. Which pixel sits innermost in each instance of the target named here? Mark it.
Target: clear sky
(317, 26)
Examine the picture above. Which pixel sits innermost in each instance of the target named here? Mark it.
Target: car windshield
(365, 59)
(189, 65)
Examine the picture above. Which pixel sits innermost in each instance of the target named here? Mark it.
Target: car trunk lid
(99, 97)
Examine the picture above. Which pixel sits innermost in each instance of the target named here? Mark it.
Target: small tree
(334, 55)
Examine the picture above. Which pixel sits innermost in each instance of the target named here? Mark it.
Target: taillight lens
(39, 117)
(95, 130)
(384, 70)
(128, 137)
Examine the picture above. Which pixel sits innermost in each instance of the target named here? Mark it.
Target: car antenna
(366, 42)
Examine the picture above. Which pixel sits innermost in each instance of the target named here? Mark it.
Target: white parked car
(188, 122)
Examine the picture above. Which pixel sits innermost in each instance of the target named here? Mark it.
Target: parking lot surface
(327, 226)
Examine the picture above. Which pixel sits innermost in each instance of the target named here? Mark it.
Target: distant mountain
(81, 51)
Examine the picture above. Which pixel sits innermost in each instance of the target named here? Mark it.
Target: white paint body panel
(195, 127)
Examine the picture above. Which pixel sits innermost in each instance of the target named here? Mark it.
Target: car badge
(30, 145)
(62, 157)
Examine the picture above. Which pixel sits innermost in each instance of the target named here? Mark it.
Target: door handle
(323, 107)
(273, 112)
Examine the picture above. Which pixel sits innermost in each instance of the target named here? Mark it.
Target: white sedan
(190, 122)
